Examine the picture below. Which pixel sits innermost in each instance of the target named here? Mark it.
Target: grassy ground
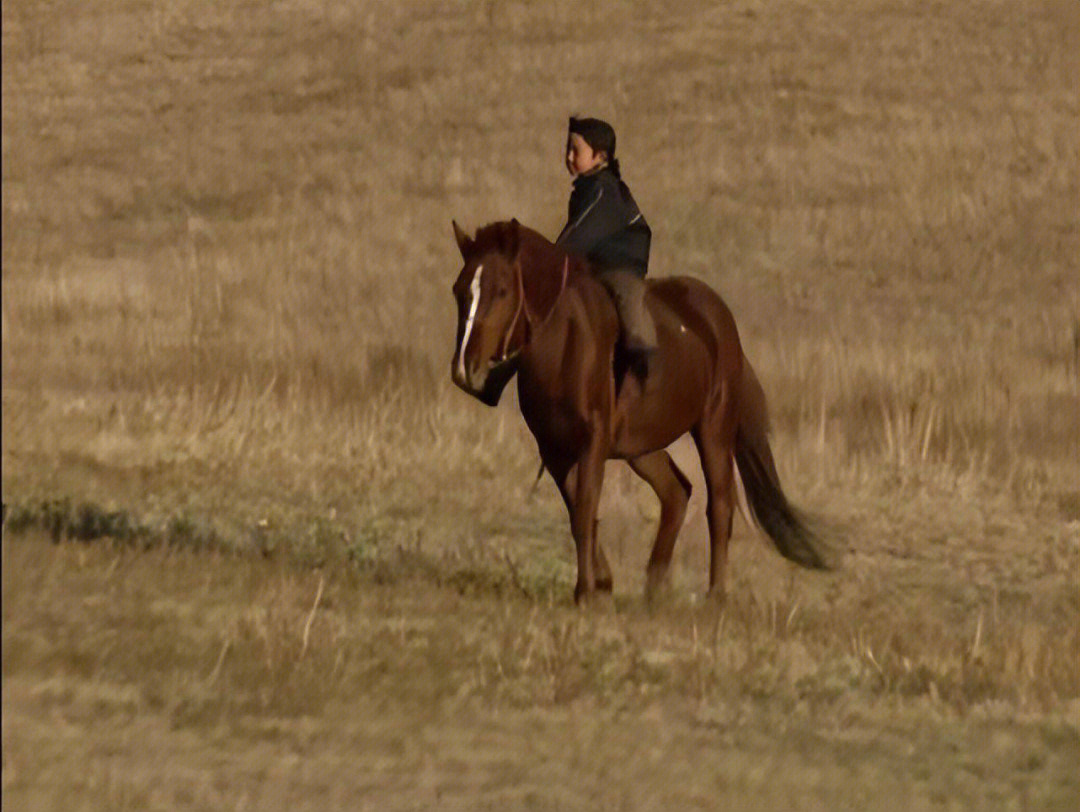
(174, 679)
(260, 554)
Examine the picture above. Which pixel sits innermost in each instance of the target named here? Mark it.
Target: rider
(606, 227)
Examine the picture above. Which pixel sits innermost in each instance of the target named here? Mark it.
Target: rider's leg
(627, 291)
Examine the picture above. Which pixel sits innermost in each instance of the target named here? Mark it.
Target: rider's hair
(599, 135)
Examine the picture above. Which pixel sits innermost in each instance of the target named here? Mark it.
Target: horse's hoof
(716, 597)
(657, 586)
(660, 600)
(598, 598)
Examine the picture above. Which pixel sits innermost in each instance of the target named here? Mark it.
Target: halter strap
(523, 305)
(517, 315)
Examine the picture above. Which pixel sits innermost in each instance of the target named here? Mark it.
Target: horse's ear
(464, 244)
(513, 239)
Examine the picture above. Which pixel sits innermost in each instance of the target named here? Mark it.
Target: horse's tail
(758, 483)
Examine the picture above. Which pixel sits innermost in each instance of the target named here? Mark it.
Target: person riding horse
(605, 226)
(529, 308)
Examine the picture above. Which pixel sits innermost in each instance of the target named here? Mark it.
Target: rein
(523, 306)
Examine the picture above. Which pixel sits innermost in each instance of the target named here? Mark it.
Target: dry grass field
(260, 554)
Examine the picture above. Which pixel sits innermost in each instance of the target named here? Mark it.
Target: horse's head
(491, 328)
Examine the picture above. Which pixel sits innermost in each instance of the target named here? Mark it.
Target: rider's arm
(596, 216)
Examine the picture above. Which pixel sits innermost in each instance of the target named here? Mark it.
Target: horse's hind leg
(716, 464)
(673, 490)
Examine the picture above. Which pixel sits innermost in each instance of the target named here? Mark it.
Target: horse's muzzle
(487, 385)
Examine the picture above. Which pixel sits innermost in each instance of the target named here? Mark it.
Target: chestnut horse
(525, 306)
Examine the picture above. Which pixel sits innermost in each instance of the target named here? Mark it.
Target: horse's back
(695, 306)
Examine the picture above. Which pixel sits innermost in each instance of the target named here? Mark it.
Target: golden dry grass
(226, 319)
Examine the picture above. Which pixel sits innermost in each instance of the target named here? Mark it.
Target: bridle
(523, 307)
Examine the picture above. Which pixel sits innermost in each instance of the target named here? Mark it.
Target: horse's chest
(554, 421)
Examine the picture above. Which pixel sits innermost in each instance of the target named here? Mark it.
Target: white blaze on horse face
(474, 301)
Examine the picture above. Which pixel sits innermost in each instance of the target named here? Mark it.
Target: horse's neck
(558, 344)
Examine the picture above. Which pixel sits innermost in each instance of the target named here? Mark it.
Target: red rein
(524, 306)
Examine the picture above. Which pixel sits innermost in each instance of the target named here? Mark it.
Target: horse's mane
(493, 237)
(546, 267)
(501, 236)
(539, 254)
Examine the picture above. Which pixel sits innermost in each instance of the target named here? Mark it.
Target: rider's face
(580, 157)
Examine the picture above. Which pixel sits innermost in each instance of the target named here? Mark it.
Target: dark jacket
(605, 225)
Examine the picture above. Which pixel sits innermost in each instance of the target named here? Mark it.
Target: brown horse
(525, 306)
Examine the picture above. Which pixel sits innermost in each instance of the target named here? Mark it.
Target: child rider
(606, 227)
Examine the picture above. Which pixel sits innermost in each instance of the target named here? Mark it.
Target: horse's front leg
(580, 489)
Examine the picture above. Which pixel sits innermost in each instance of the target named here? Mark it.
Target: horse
(527, 307)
